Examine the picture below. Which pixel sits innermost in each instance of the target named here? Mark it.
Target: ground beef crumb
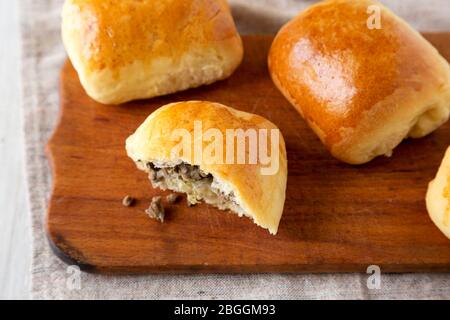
(156, 209)
(128, 201)
(172, 198)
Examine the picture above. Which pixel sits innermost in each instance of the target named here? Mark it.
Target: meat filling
(196, 184)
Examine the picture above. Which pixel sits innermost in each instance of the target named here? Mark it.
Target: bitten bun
(362, 90)
(438, 197)
(241, 188)
(126, 50)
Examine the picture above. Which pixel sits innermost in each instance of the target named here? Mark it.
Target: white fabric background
(43, 55)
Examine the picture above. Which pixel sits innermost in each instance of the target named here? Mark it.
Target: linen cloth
(43, 55)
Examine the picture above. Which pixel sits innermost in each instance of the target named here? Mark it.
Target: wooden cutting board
(337, 217)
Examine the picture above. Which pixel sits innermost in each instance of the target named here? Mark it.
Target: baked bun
(438, 197)
(361, 90)
(246, 189)
(126, 50)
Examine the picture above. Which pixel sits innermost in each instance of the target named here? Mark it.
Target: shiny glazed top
(114, 33)
(334, 68)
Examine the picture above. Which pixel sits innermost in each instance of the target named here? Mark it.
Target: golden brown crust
(116, 33)
(348, 80)
(446, 195)
(438, 196)
(262, 196)
(110, 36)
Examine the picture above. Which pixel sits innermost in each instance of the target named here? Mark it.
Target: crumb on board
(189, 202)
(128, 201)
(172, 198)
(156, 209)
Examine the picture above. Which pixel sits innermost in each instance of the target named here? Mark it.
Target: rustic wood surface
(337, 218)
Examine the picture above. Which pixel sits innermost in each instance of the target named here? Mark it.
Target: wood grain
(337, 218)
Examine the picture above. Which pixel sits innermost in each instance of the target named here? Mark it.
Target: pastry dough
(126, 50)
(438, 197)
(362, 90)
(242, 188)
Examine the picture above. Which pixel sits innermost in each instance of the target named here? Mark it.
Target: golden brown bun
(438, 197)
(128, 49)
(261, 196)
(361, 90)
